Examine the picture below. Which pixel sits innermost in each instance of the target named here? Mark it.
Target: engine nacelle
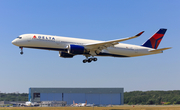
(75, 49)
(65, 55)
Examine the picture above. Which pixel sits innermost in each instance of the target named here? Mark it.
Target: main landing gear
(21, 50)
(89, 60)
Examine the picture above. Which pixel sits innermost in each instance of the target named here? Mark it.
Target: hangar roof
(77, 90)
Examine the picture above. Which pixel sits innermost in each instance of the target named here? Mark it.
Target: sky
(89, 19)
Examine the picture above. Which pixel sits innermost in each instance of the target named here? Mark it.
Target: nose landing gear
(21, 50)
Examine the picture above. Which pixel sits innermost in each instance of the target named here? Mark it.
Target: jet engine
(65, 55)
(75, 49)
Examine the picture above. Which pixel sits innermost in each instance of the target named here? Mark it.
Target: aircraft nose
(14, 42)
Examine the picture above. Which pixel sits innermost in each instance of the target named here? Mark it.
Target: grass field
(145, 107)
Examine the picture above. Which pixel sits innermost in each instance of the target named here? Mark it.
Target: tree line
(13, 97)
(152, 97)
(131, 98)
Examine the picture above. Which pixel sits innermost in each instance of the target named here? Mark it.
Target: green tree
(151, 102)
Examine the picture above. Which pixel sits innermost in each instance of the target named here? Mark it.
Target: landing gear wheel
(94, 59)
(84, 61)
(89, 60)
(21, 50)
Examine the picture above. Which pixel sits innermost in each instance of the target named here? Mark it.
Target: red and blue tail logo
(155, 40)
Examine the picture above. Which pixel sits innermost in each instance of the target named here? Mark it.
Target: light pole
(70, 97)
(111, 97)
(100, 98)
(17, 95)
(90, 97)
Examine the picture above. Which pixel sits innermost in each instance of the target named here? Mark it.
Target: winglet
(140, 33)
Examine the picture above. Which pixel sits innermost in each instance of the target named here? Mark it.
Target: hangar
(97, 96)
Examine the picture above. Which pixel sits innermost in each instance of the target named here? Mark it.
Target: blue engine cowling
(75, 49)
(65, 55)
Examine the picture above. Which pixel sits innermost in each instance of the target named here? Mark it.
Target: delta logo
(44, 38)
(34, 37)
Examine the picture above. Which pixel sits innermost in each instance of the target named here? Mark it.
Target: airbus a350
(70, 47)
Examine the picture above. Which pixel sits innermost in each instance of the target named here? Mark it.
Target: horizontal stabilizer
(159, 50)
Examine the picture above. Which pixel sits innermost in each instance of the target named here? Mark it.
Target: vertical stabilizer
(155, 40)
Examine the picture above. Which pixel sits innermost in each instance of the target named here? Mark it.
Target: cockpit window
(19, 37)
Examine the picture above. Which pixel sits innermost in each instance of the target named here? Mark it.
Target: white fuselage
(59, 43)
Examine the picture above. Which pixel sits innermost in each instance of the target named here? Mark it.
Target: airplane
(31, 104)
(79, 104)
(69, 47)
(90, 105)
(28, 103)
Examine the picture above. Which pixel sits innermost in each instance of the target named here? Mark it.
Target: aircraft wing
(106, 44)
